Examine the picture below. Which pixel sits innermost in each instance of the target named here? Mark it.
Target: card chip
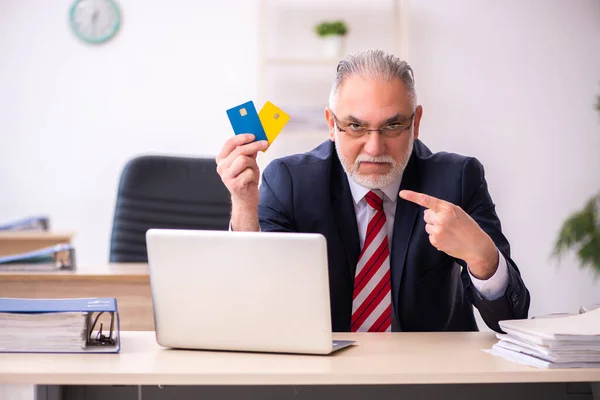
(243, 112)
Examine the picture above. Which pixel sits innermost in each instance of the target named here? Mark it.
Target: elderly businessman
(413, 238)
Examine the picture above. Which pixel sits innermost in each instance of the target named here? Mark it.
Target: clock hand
(94, 21)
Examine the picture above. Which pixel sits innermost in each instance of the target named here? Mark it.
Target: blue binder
(35, 318)
(60, 257)
(33, 223)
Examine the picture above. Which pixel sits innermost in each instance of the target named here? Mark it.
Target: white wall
(511, 82)
(71, 114)
(514, 84)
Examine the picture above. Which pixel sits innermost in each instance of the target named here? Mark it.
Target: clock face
(95, 21)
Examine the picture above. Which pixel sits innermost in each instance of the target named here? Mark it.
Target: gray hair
(373, 64)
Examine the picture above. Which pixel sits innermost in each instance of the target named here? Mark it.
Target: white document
(584, 327)
(571, 341)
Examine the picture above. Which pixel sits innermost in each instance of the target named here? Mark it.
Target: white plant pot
(333, 46)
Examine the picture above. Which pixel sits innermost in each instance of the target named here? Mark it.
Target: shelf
(302, 61)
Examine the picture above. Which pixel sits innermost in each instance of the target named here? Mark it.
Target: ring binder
(34, 223)
(60, 256)
(58, 325)
(100, 338)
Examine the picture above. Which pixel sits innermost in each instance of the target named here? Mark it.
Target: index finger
(424, 200)
(233, 142)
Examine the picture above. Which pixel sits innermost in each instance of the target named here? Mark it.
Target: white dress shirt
(490, 289)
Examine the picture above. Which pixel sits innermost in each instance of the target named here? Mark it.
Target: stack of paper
(41, 332)
(571, 341)
(307, 119)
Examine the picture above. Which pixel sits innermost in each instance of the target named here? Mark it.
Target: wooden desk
(379, 359)
(24, 241)
(129, 283)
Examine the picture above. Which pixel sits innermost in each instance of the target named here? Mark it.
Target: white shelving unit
(292, 69)
(293, 72)
(300, 61)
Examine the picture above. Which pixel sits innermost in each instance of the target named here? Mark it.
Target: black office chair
(165, 192)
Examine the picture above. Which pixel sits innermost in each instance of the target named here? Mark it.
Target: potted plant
(333, 34)
(581, 232)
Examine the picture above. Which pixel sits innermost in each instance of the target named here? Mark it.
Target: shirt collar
(358, 192)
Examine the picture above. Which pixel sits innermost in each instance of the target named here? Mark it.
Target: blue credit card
(244, 119)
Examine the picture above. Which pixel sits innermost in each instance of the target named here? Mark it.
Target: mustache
(374, 159)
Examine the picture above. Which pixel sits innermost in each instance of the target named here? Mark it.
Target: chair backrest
(166, 192)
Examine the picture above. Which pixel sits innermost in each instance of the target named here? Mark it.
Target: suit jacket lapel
(406, 215)
(344, 215)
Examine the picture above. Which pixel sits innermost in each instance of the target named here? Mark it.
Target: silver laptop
(241, 291)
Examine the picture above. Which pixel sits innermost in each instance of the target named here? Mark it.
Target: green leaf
(581, 232)
(327, 28)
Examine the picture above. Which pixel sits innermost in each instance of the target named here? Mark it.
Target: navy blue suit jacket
(431, 291)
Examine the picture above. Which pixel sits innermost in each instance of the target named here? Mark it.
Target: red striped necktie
(371, 302)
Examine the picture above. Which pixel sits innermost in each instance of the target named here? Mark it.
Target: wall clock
(95, 21)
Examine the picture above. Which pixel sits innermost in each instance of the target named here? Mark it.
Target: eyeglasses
(391, 130)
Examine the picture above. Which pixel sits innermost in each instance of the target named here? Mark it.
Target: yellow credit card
(273, 119)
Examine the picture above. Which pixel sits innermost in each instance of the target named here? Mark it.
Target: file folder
(35, 223)
(69, 325)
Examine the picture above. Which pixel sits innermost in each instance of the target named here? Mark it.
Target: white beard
(377, 181)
